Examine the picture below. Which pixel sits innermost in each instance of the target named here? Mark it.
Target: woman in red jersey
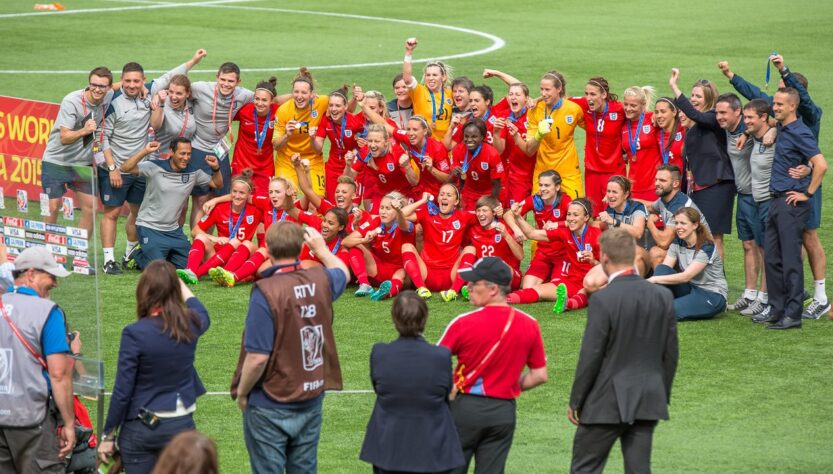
(444, 227)
(510, 139)
(603, 116)
(244, 264)
(253, 148)
(332, 227)
(429, 154)
(477, 165)
(375, 249)
(489, 237)
(581, 253)
(387, 162)
(550, 208)
(671, 134)
(342, 129)
(639, 141)
(235, 222)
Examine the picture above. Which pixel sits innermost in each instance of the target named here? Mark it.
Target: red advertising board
(24, 130)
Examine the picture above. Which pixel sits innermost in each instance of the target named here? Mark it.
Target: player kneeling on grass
(235, 222)
(581, 242)
(376, 249)
(489, 237)
(278, 206)
(444, 226)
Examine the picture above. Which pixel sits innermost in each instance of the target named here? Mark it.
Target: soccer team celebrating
(447, 172)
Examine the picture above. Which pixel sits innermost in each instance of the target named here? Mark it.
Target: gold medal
(95, 148)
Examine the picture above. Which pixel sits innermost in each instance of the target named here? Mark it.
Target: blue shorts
(57, 179)
(171, 245)
(748, 221)
(132, 189)
(763, 214)
(814, 217)
(198, 160)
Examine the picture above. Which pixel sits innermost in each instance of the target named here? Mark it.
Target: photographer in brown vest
(288, 356)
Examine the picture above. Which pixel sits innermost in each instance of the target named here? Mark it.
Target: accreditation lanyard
(470, 157)
(768, 65)
(513, 118)
(434, 115)
(580, 242)
(101, 133)
(340, 139)
(548, 112)
(420, 155)
(260, 135)
(274, 216)
(666, 152)
(185, 122)
(599, 124)
(232, 231)
(214, 113)
(633, 141)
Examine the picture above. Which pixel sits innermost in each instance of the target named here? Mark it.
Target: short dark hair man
(288, 357)
(626, 365)
(493, 345)
(28, 439)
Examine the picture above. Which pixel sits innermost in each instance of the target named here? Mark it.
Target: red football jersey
(488, 242)
(571, 267)
(639, 140)
(387, 245)
(555, 212)
(241, 226)
(520, 167)
(673, 154)
(479, 167)
(443, 236)
(334, 245)
(342, 135)
(246, 150)
(430, 148)
(389, 175)
(603, 143)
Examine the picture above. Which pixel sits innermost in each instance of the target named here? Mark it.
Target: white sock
(819, 294)
(763, 297)
(129, 247)
(109, 254)
(750, 294)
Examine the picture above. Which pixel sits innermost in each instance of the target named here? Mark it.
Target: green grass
(745, 399)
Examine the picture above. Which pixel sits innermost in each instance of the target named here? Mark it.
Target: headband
(583, 206)
(666, 99)
(265, 89)
(597, 83)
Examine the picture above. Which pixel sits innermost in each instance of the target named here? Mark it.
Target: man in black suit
(626, 366)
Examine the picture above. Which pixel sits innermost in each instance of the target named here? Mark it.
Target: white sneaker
(741, 304)
(815, 309)
(755, 308)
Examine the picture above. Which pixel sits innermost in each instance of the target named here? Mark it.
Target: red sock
(577, 301)
(409, 261)
(195, 255)
(395, 287)
(249, 267)
(357, 265)
(524, 296)
(218, 259)
(466, 261)
(237, 258)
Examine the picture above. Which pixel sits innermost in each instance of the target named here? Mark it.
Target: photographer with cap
(34, 364)
(493, 345)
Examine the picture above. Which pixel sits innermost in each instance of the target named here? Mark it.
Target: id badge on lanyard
(221, 149)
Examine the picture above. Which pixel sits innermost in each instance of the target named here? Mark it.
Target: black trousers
(486, 427)
(782, 262)
(592, 444)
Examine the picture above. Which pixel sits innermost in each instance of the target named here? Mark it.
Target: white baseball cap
(39, 258)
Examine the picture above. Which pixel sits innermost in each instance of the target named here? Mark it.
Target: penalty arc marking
(496, 42)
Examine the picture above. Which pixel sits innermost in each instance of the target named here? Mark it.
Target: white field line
(497, 42)
(148, 6)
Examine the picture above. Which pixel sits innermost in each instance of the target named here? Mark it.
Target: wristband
(217, 170)
(408, 58)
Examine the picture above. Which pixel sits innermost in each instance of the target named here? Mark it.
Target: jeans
(692, 302)
(140, 446)
(279, 438)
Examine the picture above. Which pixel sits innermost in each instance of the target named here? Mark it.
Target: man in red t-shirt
(493, 345)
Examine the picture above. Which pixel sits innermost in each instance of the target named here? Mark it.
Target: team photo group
(441, 187)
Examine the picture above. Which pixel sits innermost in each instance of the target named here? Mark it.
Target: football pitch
(744, 400)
